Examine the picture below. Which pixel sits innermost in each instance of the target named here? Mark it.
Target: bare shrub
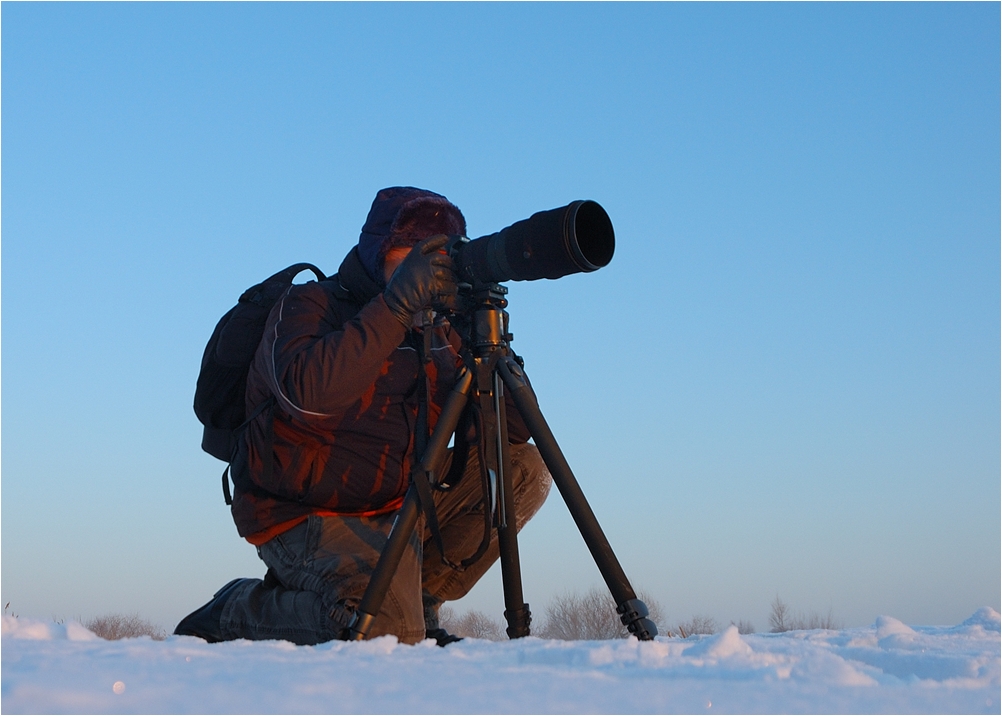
(779, 616)
(572, 617)
(816, 620)
(782, 619)
(477, 625)
(744, 627)
(472, 625)
(119, 626)
(697, 624)
(568, 617)
(591, 616)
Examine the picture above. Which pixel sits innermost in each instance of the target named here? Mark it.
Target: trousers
(320, 568)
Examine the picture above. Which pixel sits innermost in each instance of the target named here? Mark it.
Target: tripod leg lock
(518, 621)
(359, 627)
(633, 613)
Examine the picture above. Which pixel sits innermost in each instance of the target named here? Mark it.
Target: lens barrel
(549, 244)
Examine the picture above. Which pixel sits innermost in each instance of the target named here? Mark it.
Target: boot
(441, 636)
(432, 629)
(204, 621)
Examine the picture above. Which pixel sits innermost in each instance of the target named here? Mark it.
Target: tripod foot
(518, 621)
(633, 613)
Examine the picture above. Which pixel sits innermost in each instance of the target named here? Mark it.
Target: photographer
(337, 385)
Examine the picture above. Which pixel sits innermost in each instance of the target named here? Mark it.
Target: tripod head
(490, 319)
(481, 318)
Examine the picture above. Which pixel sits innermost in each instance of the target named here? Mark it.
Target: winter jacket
(344, 374)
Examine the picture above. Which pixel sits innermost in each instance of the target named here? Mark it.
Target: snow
(886, 667)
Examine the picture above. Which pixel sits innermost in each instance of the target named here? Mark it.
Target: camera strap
(485, 429)
(419, 478)
(422, 480)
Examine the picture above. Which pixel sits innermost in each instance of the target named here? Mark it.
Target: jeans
(322, 566)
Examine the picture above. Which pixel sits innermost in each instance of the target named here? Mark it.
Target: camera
(549, 244)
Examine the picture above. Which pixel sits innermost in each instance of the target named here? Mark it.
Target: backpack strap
(227, 497)
(269, 459)
(266, 292)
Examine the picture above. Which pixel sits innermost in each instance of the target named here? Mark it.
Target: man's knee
(400, 615)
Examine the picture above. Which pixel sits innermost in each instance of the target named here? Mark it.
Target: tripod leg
(516, 611)
(386, 567)
(407, 517)
(632, 611)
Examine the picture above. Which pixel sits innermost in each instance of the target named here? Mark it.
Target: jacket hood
(355, 281)
(403, 216)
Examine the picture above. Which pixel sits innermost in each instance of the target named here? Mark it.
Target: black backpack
(222, 380)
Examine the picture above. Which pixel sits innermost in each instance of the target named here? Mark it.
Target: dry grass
(697, 624)
(571, 617)
(127, 626)
(782, 619)
(472, 625)
(568, 617)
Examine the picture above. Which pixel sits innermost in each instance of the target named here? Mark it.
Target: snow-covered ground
(887, 667)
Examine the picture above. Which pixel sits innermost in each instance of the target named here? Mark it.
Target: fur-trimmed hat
(403, 216)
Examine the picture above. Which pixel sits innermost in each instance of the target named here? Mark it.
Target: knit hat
(401, 216)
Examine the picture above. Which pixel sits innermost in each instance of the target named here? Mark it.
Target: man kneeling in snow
(319, 476)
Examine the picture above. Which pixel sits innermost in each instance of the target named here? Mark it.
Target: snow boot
(432, 629)
(204, 621)
(441, 636)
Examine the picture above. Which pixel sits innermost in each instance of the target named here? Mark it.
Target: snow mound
(886, 667)
(721, 646)
(986, 618)
(889, 626)
(45, 631)
(893, 634)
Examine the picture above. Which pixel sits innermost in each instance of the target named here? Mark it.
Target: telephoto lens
(549, 244)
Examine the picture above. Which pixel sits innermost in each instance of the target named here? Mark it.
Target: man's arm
(316, 369)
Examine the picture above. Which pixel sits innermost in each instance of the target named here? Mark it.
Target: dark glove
(424, 279)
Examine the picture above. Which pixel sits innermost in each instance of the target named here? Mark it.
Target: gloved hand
(426, 278)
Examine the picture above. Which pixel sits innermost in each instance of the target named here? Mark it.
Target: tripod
(494, 369)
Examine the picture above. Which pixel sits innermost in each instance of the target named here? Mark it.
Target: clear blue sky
(786, 382)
